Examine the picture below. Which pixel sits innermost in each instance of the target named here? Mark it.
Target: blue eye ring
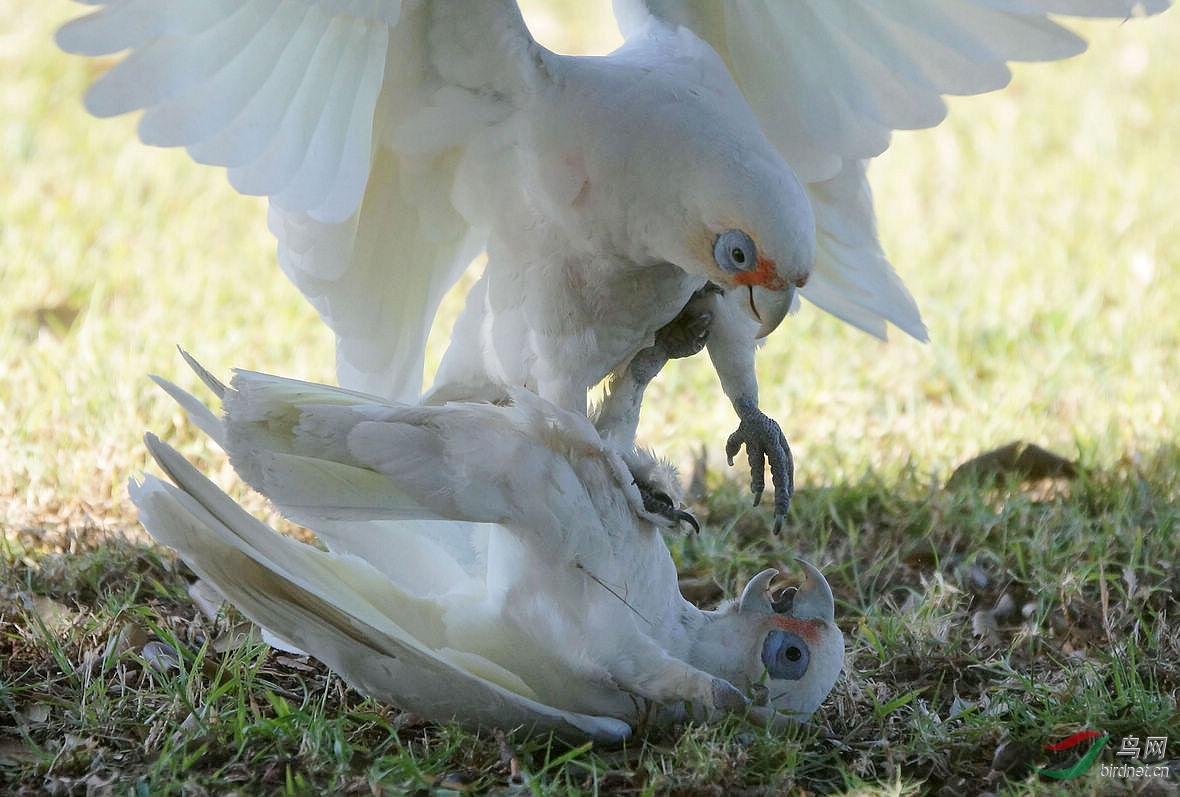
(785, 655)
(735, 252)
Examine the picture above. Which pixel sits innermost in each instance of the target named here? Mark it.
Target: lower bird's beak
(769, 307)
(814, 600)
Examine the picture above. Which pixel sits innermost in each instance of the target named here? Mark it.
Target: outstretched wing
(356, 120)
(340, 609)
(333, 459)
(831, 79)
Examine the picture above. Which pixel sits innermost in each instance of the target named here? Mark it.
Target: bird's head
(701, 187)
(760, 244)
(788, 650)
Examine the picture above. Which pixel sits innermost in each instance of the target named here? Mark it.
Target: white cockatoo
(491, 562)
(723, 143)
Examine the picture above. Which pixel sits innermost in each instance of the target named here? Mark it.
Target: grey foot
(688, 332)
(764, 440)
(726, 697)
(683, 336)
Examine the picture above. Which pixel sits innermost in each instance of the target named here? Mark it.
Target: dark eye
(734, 251)
(785, 655)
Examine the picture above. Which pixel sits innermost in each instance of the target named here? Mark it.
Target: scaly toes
(726, 697)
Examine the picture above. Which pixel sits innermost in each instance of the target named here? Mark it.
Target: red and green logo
(1084, 763)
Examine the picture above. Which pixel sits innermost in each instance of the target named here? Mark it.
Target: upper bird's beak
(769, 307)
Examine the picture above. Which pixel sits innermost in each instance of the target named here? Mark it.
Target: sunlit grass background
(1039, 229)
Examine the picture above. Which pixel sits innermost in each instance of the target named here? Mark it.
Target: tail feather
(338, 609)
(353, 509)
(205, 419)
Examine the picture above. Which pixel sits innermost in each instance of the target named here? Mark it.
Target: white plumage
(396, 140)
(490, 562)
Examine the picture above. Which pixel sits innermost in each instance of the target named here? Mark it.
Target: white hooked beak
(812, 601)
(768, 307)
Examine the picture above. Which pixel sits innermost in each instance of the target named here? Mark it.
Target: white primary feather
(300, 100)
(359, 119)
(501, 570)
(831, 79)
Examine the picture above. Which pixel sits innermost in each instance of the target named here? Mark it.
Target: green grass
(1038, 229)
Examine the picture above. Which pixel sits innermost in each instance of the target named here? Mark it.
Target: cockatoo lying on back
(490, 562)
(723, 143)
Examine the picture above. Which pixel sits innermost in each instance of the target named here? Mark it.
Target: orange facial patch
(804, 628)
(762, 274)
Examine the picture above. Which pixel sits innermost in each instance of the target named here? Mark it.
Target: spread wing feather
(302, 101)
(831, 79)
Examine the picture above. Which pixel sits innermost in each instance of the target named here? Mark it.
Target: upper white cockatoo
(723, 143)
(491, 562)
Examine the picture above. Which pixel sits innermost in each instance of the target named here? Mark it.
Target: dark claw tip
(687, 517)
(778, 524)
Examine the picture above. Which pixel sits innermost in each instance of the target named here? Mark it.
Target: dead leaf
(206, 597)
(55, 320)
(236, 636)
(1025, 461)
(36, 713)
(161, 656)
(191, 732)
(295, 664)
(130, 637)
(983, 624)
(986, 622)
(1011, 756)
(56, 617)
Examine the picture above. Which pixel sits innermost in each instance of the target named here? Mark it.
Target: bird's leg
(683, 336)
(731, 347)
(618, 417)
(650, 672)
(688, 332)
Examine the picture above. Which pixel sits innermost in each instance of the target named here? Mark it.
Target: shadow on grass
(982, 623)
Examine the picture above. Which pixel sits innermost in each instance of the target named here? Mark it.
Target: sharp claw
(680, 516)
(778, 524)
(733, 444)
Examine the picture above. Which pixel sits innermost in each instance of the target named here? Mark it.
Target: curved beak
(814, 600)
(754, 597)
(768, 307)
